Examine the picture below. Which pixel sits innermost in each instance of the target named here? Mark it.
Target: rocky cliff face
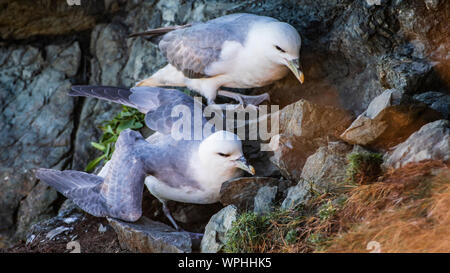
(353, 51)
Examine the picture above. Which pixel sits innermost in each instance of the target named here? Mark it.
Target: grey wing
(191, 50)
(157, 103)
(119, 194)
(82, 188)
(124, 182)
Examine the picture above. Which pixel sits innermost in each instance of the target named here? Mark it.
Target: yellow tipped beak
(241, 163)
(294, 66)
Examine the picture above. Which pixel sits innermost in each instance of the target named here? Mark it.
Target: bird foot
(245, 99)
(233, 107)
(255, 100)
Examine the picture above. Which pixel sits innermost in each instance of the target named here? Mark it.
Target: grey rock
(23, 19)
(144, 59)
(242, 191)
(64, 58)
(263, 202)
(215, 231)
(297, 195)
(405, 74)
(59, 227)
(390, 119)
(94, 113)
(431, 142)
(437, 101)
(109, 49)
(304, 127)
(147, 236)
(326, 168)
(33, 93)
(36, 207)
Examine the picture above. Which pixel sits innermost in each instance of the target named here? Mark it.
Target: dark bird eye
(224, 155)
(280, 49)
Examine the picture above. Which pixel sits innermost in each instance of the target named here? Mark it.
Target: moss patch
(363, 167)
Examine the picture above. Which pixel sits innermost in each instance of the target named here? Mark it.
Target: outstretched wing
(191, 50)
(160, 105)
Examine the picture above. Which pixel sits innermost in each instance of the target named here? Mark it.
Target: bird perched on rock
(190, 171)
(237, 51)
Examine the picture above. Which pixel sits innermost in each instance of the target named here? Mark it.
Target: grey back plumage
(192, 49)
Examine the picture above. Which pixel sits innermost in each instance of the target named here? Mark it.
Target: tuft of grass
(127, 118)
(303, 229)
(316, 239)
(247, 233)
(252, 232)
(326, 211)
(363, 167)
(292, 236)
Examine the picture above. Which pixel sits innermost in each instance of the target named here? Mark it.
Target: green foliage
(127, 118)
(246, 233)
(291, 237)
(326, 211)
(317, 239)
(252, 232)
(362, 166)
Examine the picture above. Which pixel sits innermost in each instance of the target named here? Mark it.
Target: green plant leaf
(91, 165)
(98, 146)
(124, 125)
(127, 118)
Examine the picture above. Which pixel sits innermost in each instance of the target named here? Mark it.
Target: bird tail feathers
(82, 188)
(151, 34)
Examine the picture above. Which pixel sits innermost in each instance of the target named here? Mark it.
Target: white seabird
(237, 51)
(190, 171)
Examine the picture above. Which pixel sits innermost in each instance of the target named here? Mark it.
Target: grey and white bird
(236, 51)
(190, 171)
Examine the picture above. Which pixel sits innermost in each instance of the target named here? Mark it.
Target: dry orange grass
(409, 211)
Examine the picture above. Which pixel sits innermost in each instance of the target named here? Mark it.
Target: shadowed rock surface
(304, 127)
(242, 191)
(389, 120)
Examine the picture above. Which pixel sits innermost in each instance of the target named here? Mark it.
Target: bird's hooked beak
(241, 163)
(294, 66)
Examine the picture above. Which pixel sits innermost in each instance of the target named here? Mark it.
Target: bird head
(224, 149)
(281, 44)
